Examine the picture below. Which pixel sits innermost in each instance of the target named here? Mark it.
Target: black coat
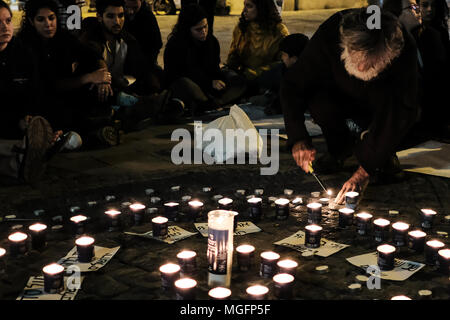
(391, 98)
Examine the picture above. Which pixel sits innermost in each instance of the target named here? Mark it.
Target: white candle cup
(85, 249)
(245, 256)
(255, 209)
(53, 278)
(386, 257)
(431, 251)
(38, 232)
(268, 267)
(170, 273)
(427, 218)
(188, 262)
(346, 217)
(160, 227)
(314, 210)
(225, 204)
(185, 289)
(220, 293)
(78, 224)
(444, 261)
(281, 209)
(17, 244)
(283, 285)
(195, 210)
(287, 266)
(113, 219)
(313, 235)
(381, 230)
(351, 199)
(416, 240)
(220, 247)
(399, 233)
(138, 210)
(363, 223)
(257, 292)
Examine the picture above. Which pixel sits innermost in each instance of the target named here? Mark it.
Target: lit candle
(220, 293)
(287, 266)
(363, 223)
(400, 231)
(195, 209)
(187, 262)
(427, 218)
(400, 298)
(444, 261)
(38, 235)
(346, 217)
(138, 210)
(255, 208)
(257, 292)
(185, 289)
(78, 223)
(268, 266)
(381, 230)
(17, 243)
(225, 204)
(416, 240)
(351, 199)
(2, 260)
(171, 210)
(431, 251)
(313, 234)
(53, 278)
(113, 219)
(245, 255)
(85, 249)
(386, 256)
(314, 210)
(170, 272)
(282, 208)
(159, 227)
(297, 201)
(283, 285)
(324, 201)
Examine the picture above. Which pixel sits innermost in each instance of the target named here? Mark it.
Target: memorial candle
(386, 257)
(159, 227)
(255, 208)
(38, 235)
(225, 204)
(257, 292)
(170, 272)
(185, 289)
(287, 266)
(113, 219)
(381, 230)
(138, 210)
(314, 210)
(187, 261)
(313, 235)
(195, 209)
(400, 230)
(363, 220)
(245, 254)
(346, 217)
(53, 278)
(220, 293)
(17, 243)
(444, 261)
(431, 251)
(282, 209)
(283, 285)
(351, 199)
(268, 266)
(85, 249)
(427, 218)
(416, 240)
(78, 223)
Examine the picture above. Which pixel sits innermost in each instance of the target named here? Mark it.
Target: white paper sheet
(174, 234)
(34, 290)
(242, 228)
(101, 258)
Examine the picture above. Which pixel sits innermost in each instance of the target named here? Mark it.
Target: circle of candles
(363, 220)
(386, 256)
(400, 230)
(257, 292)
(283, 285)
(427, 218)
(401, 298)
(113, 219)
(17, 243)
(171, 210)
(416, 240)
(138, 210)
(444, 261)
(268, 266)
(431, 251)
(195, 209)
(160, 227)
(381, 229)
(346, 217)
(245, 254)
(170, 272)
(85, 249)
(187, 262)
(53, 278)
(282, 209)
(79, 222)
(351, 199)
(38, 235)
(313, 235)
(287, 266)
(225, 204)
(219, 293)
(185, 289)
(314, 210)
(255, 208)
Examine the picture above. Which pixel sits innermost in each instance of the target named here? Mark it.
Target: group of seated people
(105, 78)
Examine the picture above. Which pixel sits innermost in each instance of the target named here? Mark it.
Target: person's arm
(174, 62)
(233, 59)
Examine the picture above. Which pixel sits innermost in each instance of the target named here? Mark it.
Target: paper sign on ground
(34, 290)
(242, 228)
(174, 234)
(101, 258)
(403, 269)
(297, 242)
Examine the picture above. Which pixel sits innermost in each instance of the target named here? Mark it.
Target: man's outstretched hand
(303, 155)
(355, 183)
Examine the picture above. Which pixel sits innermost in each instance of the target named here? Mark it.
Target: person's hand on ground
(218, 84)
(104, 91)
(99, 76)
(303, 155)
(355, 183)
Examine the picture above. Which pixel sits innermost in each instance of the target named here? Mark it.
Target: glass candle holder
(363, 223)
(313, 235)
(283, 285)
(245, 256)
(351, 199)
(444, 261)
(268, 267)
(399, 233)
(427, 218)
(38, 232)
(195, 210)
(78, 224)
(160, 227)
(187, 260)
(170, 272)
(381, 230)
(17, 244)
(416, 240)
(386, 257)
(113, 219)
(53, 278)
(257, 292)
(255, 209)
(281, 209)
(85, 249)
(431, 251)
(138, 210)
(346, 217)
(314, 210)
(185, 289)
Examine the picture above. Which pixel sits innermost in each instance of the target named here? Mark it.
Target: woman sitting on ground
(192, 64)
(435, 14)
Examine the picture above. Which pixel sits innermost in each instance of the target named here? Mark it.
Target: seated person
(435, 14)
(254, 50)
(192, 64)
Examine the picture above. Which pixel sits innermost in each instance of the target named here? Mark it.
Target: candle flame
(417, 234)
(160, 220)
(225, 201)
(445, 253)
(364, 215)
(37, 227)
(428, 211)
(169, 268)
(313, 227)
(347, 211)
(329, 192)
(53, 268)
(195, 203)
(220, 293)
(314, 205)
(287, 263)
(283, 278)
(435, 244)
(17, 236)
(185, 283)
(352, 194)
(382, 222)
(282, 201)
(386, 248)
(84, 241)
(254, 200)
(245, 248)
(78, 218)
(400, 226)
(112, 212)
(186, 254)
(270, 255)
(171, 204)
(137, 206)
(257, 290)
